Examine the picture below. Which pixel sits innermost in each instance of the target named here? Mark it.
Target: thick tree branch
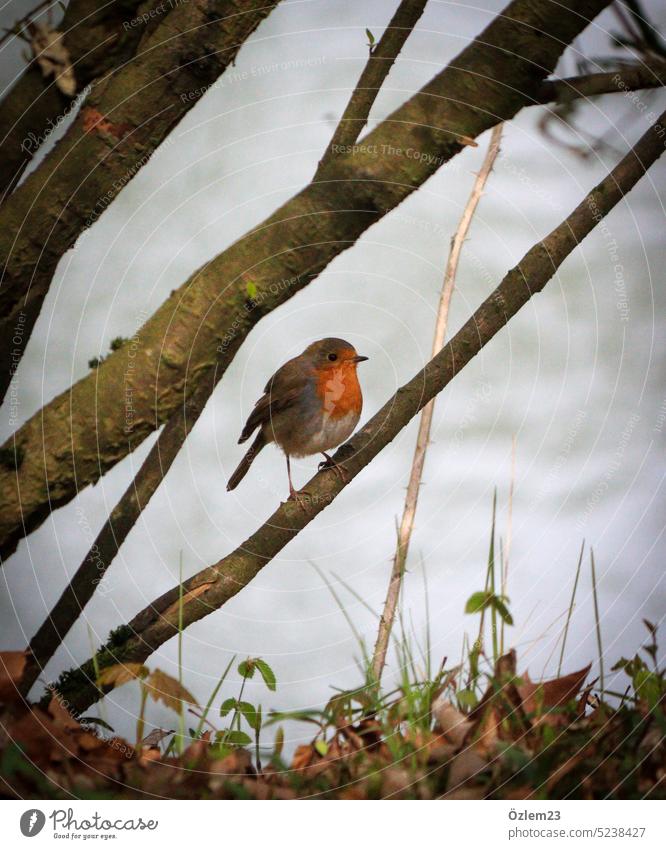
(212, 587)
(124, 120)
(378, 66)
(97, 38)
(134, 500)
(120, 522)
(58, 451)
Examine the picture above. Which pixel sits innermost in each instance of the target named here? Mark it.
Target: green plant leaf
(647, 686)
(227, 706)
(477, 602)
(371, 38)
(467, 699)
(266, 673)
(235, 738)
(251, 714)
(279, 741)
(322, 747)
(246, 668)
(502, 609)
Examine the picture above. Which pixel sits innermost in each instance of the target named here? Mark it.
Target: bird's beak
(359, 359)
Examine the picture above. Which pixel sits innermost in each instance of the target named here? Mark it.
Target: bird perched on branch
(310, 405)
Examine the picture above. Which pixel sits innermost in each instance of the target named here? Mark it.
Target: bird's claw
(338, 468)
(301, 497)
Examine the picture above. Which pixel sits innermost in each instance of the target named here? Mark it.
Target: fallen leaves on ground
(12, 664)
(524, 739)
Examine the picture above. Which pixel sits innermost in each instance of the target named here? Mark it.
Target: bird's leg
(340, 470)
(294, 495)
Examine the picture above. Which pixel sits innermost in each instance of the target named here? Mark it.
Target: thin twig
(380, 62)
(411, 499)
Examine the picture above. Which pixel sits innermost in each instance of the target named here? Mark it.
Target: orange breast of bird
(339, 390)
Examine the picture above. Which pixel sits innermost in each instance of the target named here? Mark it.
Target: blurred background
(576, 379)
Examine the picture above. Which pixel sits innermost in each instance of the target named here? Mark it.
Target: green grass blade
(597, 621)
(571, 607)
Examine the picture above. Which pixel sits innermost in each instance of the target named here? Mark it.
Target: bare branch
(626, 78)
(382, 57)
(57, 452)
(120, 522)
(212, 587)
(423, 437)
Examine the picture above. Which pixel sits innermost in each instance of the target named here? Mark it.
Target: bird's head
(331, 353)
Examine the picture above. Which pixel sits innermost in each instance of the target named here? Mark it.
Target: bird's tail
(247, 461)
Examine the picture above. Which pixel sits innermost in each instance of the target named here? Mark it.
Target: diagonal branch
(378, 66)
(57, 452)
(125, 118)
(120, 522)
(134, 500)
(626, 78)
(212, 587)
(423, 436)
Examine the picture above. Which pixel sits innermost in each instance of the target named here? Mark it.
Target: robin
(310, 405)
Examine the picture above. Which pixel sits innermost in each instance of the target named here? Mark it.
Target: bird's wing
(286, 385)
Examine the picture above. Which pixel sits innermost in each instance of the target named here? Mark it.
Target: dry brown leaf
(118, 749)
(453, 724)
(487, 733)
(187, 597)
(544, 696)
(52, 56)
(38, 735)
(303, 757)
(61, 716)
(149, 756)
(238, 762)
(397, 782)
(12, 664)
(168, 690)
(89, 742)
(197, 751)
(121, 673)
(467, 764)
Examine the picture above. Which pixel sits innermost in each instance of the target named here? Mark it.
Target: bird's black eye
(332, 357)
